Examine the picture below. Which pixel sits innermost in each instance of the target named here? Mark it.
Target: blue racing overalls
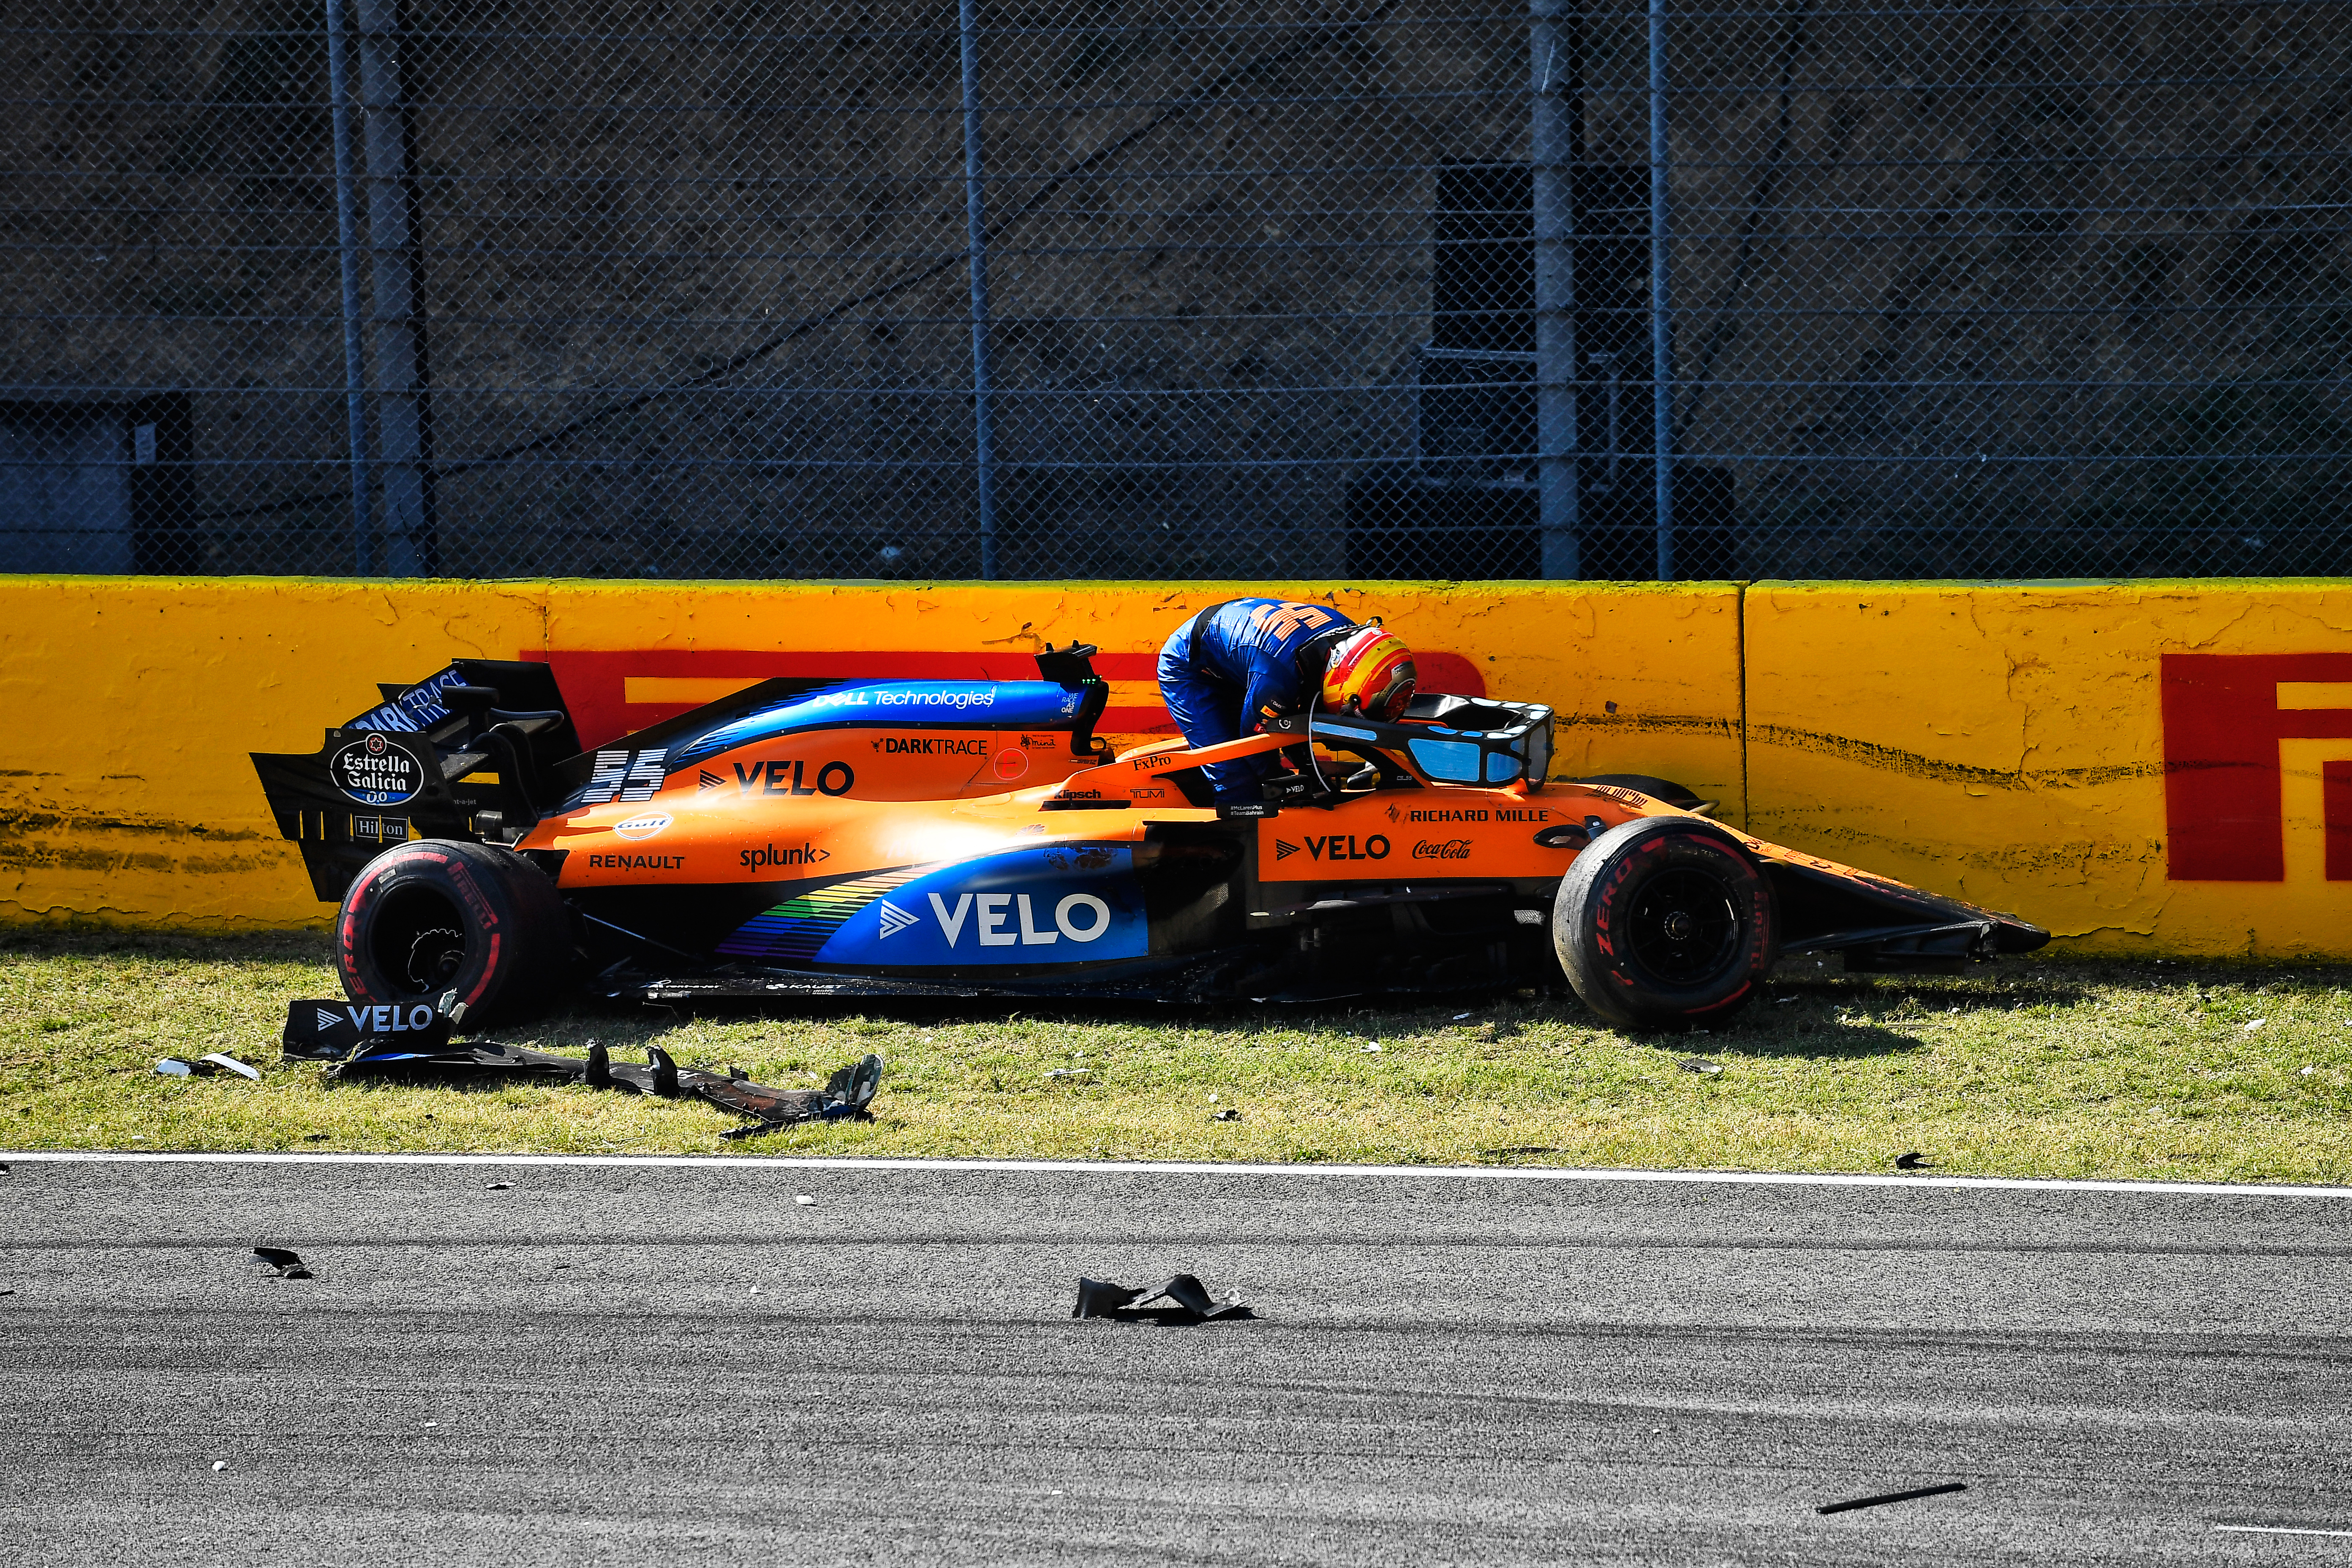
(1234, 664)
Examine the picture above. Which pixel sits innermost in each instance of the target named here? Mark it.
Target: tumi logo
(1336, 846)
(2224, 716)
(1451, 849)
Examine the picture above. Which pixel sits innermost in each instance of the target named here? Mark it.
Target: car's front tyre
(1662, 924)
(438, 917)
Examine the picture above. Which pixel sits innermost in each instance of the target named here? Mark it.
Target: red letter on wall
(2223, 726)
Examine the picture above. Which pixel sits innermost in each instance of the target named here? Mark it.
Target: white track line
(2279, 1529)
(1197, 1168)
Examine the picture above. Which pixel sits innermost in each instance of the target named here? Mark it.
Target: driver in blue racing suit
(1236, 664)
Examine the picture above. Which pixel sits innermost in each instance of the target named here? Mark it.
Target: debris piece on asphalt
(227, 1063)
(803, 1198)
(1699, 1065)
(7, 1290)
(1188, 1300)
(1913, 1160)
(219, 1465)
(1459, 1017)
(497, 1186)
(284, 1262)
(1892, 1497)
(1227, 1114)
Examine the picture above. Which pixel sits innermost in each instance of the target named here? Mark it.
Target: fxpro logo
(1081, 917)
(2225, 718)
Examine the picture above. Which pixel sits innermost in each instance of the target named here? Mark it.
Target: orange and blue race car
(964, 838)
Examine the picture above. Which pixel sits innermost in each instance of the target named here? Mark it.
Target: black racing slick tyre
(1664, 923)
(438, 917)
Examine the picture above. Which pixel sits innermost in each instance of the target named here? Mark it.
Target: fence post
(404, 408)
(1555, 143)
(347, 235)
(1661, 350)
(976, 221)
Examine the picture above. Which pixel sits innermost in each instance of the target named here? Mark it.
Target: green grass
(2051, 1068)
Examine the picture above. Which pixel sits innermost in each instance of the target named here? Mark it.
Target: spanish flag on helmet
(1370, 673)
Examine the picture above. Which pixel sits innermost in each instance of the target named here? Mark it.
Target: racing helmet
(1370, 672)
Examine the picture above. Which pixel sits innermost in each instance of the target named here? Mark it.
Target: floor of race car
(637, 1362)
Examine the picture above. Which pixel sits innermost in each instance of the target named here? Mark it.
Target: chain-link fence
(1104, 288)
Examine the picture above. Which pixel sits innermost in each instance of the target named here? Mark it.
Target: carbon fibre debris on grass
(2059, 1067)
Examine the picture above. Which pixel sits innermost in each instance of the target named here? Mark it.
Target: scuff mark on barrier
(1914, 765)
(13, 823)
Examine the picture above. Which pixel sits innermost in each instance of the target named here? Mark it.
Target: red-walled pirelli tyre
(436, 915)
(1664, 923)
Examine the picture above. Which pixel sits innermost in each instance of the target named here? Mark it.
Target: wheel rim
(418, 940)
(1683, 926)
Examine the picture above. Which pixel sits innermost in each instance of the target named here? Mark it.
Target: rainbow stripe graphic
(794, 930)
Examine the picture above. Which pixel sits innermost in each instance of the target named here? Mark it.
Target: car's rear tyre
(1664, 923)
(438, 917)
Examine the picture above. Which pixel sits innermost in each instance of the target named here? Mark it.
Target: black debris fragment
(1227, 1114)
(1700, 1065)
(848, 1093)
(284, 1262)
(315, 1137)
(1188, 1300)
(497, 1186)
(1521, 1149)
(1914, 1160)
(1892, 1497)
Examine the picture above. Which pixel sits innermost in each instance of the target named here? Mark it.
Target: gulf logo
(645, 826)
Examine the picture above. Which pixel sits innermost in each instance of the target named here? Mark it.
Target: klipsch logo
(2224, 717)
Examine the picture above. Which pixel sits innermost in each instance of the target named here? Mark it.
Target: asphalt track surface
(577, 1368)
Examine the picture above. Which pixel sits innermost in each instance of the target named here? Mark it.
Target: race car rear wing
(470, 751)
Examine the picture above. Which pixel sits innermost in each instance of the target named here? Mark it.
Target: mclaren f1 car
(958, 838)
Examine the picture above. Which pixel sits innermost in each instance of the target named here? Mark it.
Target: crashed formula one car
(960, 839)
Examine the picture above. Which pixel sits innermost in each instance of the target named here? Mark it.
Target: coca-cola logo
(1445, 850)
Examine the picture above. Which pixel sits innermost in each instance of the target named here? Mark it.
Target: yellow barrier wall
(2115, 762)
(130, 704)
(2144, 766)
